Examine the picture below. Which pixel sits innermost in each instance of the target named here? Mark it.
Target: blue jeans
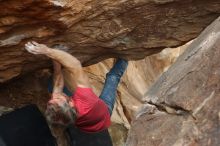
(108, 94)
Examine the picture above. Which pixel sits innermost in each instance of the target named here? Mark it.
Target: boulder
(182, 107)
(93, 30)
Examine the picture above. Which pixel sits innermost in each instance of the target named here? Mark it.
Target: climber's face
(61, 97)
(60, 110)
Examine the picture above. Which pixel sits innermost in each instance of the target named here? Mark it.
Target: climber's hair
(60, 113)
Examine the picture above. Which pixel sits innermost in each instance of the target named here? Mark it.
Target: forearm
(58, 81)
(67, 60)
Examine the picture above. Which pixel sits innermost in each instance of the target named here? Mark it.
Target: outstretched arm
(67, 60)
(71, 64)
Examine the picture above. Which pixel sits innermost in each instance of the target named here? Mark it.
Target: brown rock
(183, 105)
(94, 30)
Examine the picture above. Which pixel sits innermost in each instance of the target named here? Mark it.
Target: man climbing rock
(84, 109)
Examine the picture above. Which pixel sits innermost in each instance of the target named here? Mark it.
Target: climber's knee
(119, 67)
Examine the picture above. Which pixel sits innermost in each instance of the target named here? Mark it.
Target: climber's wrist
(48, 51)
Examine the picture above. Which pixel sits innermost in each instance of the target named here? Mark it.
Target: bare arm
(58, 81)
(67, 60)
(72, 64)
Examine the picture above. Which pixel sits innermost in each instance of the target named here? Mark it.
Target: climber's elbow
(73, 66)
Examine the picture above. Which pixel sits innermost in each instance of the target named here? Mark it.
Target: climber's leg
(113, 77)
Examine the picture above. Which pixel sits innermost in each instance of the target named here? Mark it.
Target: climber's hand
(35, 48)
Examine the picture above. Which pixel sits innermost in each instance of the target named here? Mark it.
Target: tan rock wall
(94, 30)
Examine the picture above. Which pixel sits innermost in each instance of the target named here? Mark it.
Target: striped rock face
(94, 30)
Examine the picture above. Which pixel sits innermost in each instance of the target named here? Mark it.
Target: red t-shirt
(92, 112)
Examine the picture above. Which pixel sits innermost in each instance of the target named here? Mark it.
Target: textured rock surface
(183, 105)
(94, 30)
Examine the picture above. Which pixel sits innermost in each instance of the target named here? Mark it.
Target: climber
(84, 109)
